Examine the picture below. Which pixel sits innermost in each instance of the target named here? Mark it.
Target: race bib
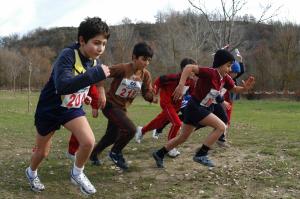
(223, 91)
(75, 100)
(129, 88)
(210, 98)
(185, 89)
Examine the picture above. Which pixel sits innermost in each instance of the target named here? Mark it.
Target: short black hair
(142, 49)
(185, 62)
(222, 57)
(92, 27)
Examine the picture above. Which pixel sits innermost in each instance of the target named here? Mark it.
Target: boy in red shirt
(166, 85)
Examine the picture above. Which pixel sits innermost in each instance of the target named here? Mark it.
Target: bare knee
(88, 143)
(221, 128)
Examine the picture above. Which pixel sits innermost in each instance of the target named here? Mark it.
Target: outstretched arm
(247, 85)
(187, 71)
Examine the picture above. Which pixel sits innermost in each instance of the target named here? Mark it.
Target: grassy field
(262, 162)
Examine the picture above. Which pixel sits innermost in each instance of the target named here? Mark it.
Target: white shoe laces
(37, 183)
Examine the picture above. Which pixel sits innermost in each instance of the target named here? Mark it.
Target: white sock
(76, 170)
(32, 174)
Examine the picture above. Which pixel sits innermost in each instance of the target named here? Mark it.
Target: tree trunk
(29, 89)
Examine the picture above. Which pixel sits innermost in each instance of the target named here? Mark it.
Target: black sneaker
(159, 161)
(223, 144)
(118, 160)
(95, 161)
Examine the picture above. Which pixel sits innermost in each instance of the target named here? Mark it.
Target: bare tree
(286, 53)
(172, 43)
(125, 38)
(197, 33)
(40, 60)
(13, 65)
(222, 23)
(29, 88)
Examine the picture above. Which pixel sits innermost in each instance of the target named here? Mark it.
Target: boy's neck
(134, 67)
(81, 51)
(218, 69)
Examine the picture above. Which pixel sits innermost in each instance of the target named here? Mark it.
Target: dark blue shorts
(194, 112)
(47, 122)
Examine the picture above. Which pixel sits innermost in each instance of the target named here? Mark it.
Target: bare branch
(207, 19)
(263, 17)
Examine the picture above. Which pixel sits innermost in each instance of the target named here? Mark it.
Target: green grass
(262, 162)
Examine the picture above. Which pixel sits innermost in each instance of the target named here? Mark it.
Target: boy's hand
(102, 101)
(155, 89)
(227, 105)
(178, 93)
(155, 99)
(225, 47)
(249, 83)
(105, 70)
(95, 113)
(88, 100)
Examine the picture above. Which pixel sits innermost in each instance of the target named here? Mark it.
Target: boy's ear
(81, 40)
(133, 57)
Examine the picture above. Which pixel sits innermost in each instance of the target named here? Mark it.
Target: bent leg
(218, 125)
(84, 134)
(41, 151)
(175, 121)
(108, 139)
(186, 131)
(156, 123)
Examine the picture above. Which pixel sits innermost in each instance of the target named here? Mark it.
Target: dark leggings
(120, 130)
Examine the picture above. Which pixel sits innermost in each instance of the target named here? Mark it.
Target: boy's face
(225, 68)
(141, 62)
(94, 47)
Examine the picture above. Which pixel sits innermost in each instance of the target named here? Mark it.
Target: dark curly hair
(91, 27)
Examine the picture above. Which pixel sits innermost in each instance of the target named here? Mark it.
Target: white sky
(22, 16)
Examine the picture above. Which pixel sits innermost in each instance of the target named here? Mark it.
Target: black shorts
(194, 112)
(48, 122)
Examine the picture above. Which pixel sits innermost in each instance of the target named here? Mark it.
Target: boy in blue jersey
(60, 103)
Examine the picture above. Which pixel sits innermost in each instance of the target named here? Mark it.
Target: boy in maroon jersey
(200, 107)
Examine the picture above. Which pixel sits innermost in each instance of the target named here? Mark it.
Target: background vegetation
(270, 48)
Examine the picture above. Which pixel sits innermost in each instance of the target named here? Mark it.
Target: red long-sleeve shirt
(94, 94)
(166, 85)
